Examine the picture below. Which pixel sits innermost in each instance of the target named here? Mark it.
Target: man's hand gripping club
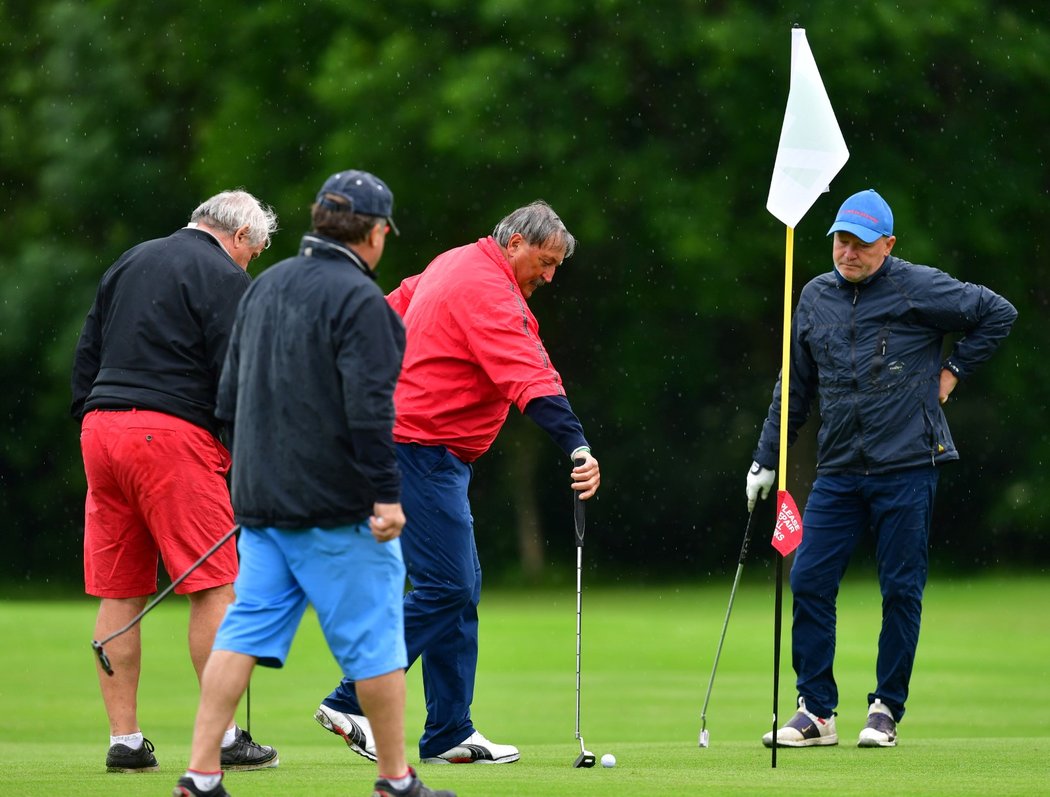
(759, 483)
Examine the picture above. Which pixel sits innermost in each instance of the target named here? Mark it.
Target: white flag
(812, 149)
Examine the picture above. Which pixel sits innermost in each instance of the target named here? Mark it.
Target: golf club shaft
(579, 523)
(579, 616)
(167, 590)
(718, 652)
(725, 623)
(585, 759)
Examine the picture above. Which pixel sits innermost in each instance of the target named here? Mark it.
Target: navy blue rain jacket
(872, 353)
(308, 388)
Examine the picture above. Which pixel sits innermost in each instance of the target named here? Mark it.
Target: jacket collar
(494, 253)
(317, 245)
(204, 235)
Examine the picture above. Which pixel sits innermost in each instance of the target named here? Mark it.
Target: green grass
(978, 718)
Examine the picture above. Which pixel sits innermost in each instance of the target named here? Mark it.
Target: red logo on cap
(861, 213)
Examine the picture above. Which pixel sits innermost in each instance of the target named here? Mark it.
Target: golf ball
(608, 760)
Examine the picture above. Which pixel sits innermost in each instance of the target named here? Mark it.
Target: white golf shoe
(881, 730)
(805, 729)
(355, 729)
(476, 749)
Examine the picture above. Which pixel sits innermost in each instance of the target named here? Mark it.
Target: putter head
(103, 659)
(584, 760)
(705, 738)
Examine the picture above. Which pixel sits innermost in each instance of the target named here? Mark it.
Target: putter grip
(578, 511)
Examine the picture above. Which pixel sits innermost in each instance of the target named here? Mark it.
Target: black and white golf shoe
(187, 788)
(122, 758)
(355, 730)
(881, 730)
(415, 789)
(805, 729)
(476, 749)
(384, 788)
(246, 754)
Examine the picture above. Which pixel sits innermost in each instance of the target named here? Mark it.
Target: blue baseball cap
(866, 215)
(365, 193)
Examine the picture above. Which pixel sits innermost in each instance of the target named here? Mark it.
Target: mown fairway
(978, 719)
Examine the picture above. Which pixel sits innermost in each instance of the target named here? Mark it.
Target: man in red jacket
(473, 349)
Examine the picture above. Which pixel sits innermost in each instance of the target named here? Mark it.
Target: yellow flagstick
(785, 391)
(785, 362)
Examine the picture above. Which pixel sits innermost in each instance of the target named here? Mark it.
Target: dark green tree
(652, 129)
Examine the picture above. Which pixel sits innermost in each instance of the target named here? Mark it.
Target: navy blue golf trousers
(897, 507)
(441, 610)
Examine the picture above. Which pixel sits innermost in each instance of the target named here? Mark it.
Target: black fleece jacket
(308, 386)
(157, 333)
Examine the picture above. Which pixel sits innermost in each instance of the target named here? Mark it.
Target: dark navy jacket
(308, 388)
(871, 353)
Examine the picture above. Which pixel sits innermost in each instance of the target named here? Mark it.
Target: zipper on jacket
(855, 368)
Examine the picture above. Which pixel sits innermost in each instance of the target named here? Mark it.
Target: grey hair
(538, 224)
(231, 210)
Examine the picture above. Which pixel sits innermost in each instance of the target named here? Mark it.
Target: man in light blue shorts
(359, 611)
(307, 392)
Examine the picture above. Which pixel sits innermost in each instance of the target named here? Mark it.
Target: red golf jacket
(473, 349)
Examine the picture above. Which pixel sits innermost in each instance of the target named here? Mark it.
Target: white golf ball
(608, 760)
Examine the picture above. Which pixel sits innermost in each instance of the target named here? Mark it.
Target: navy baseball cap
(866, 215)
(365, 192)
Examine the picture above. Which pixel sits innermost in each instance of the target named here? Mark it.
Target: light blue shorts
(354, 583)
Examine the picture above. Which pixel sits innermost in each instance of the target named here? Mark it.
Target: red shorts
(156, 485)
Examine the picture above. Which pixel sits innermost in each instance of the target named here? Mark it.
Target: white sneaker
(476, 749)
(355, 729)
(881, 730)
(805, 729)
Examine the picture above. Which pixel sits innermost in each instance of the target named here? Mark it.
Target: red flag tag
(788, 532)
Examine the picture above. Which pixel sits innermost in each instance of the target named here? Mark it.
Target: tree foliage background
(651, 128)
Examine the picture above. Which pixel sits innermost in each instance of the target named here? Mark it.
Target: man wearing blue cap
(307, 389)
(866, 343)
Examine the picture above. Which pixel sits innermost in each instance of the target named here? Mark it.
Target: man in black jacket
(866, 341)
(308, 388)
(144, 378)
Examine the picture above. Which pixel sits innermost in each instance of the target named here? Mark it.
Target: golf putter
(585, 759)
(97, 646)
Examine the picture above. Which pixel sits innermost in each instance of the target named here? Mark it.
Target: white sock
(132, 740)
(230, 736)
(205, 781)
(401, 783)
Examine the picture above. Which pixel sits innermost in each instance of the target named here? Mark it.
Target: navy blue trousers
(441, 610)
(897, 507)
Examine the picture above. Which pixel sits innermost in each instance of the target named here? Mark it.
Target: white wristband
(578, 451)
